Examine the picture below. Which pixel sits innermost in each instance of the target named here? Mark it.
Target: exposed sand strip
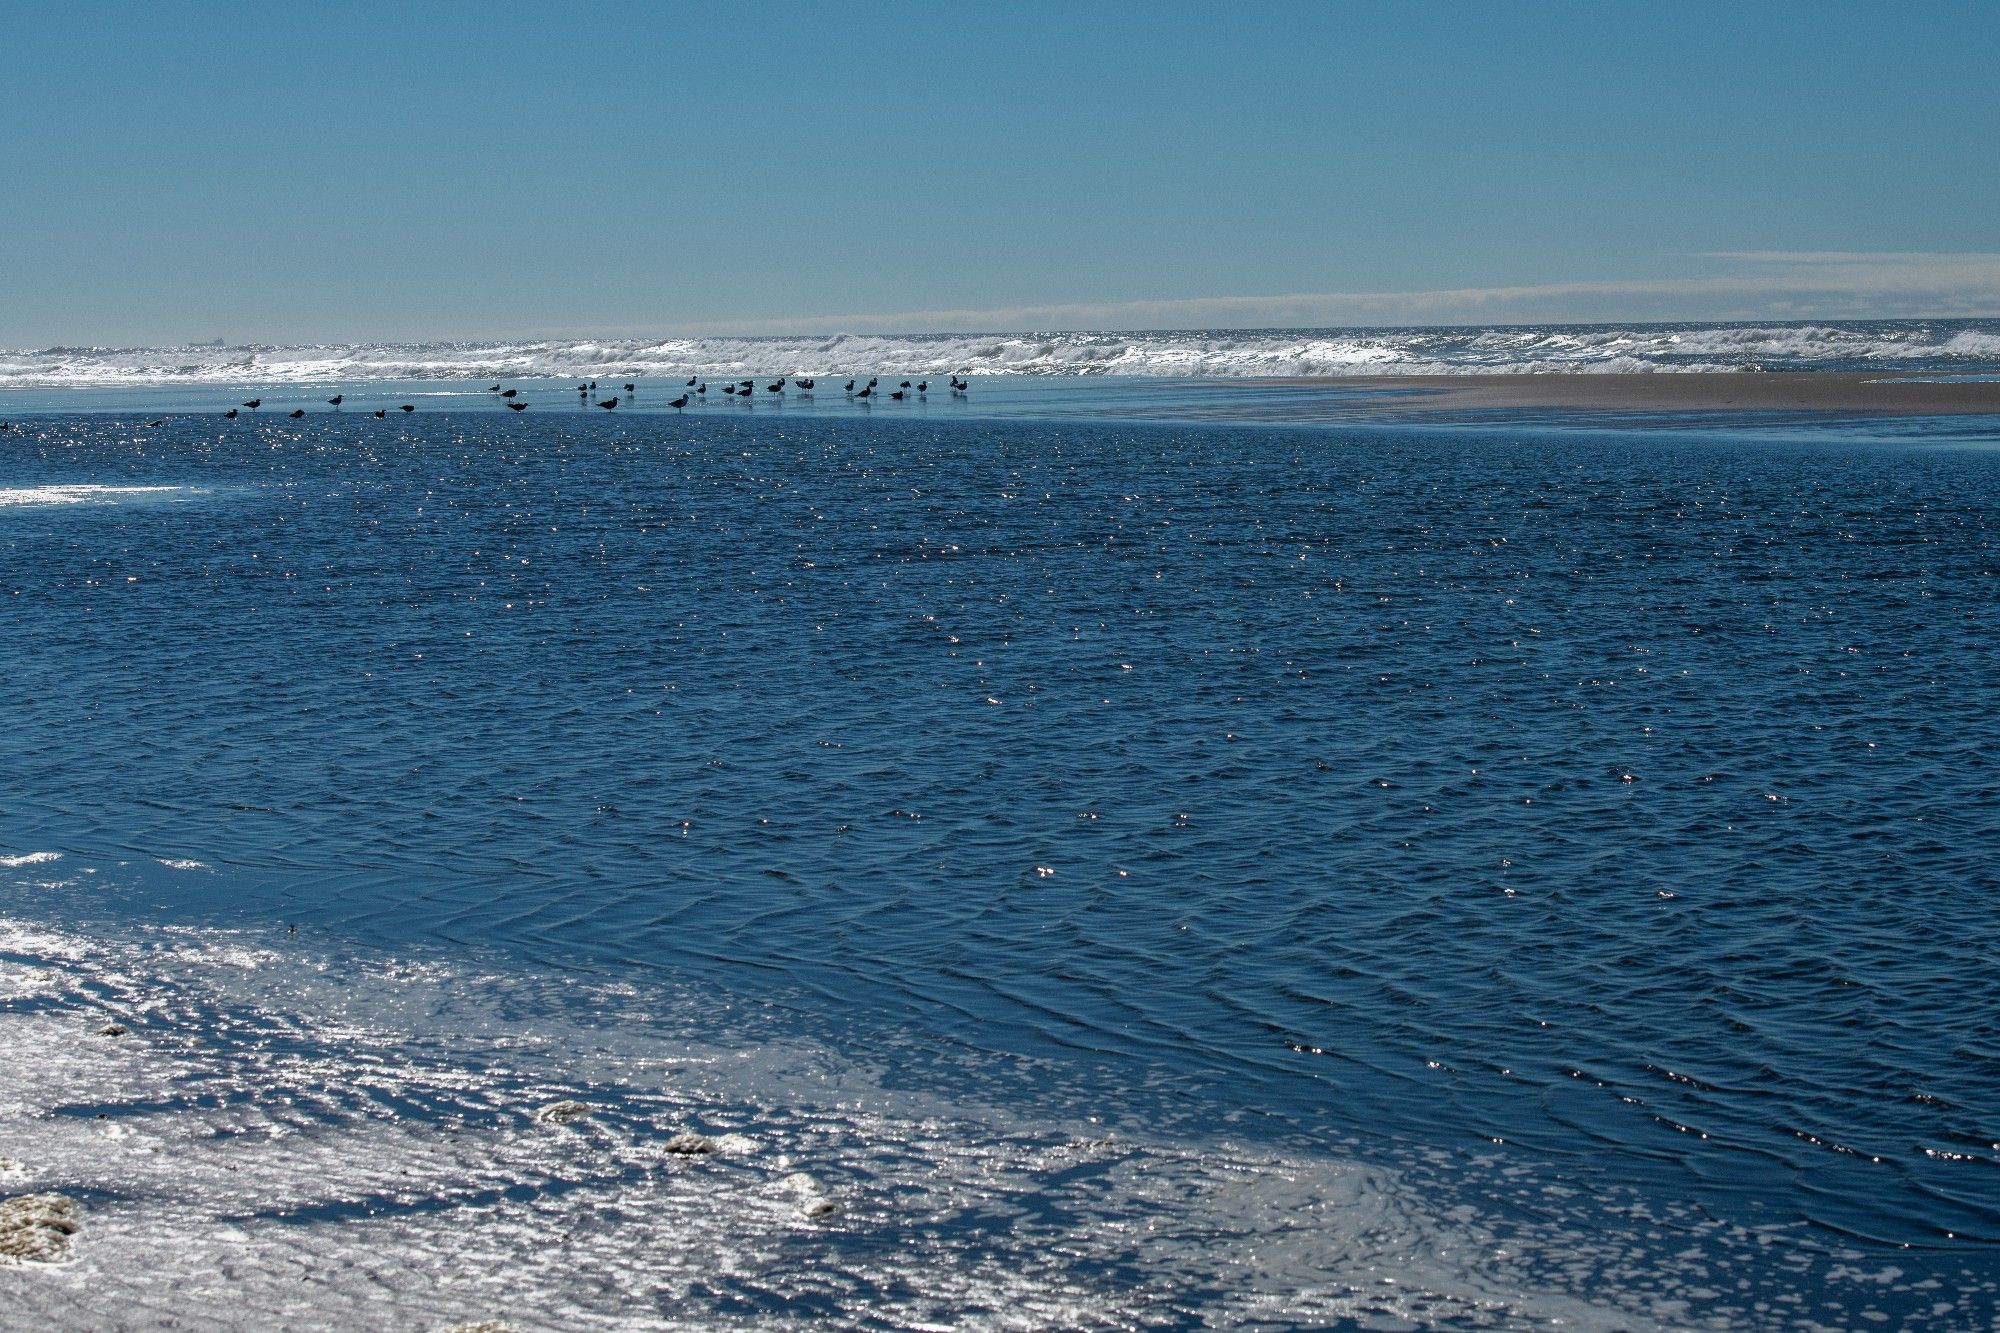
(1808, 391)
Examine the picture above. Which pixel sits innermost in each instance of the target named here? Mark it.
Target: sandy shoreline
(1810, 391)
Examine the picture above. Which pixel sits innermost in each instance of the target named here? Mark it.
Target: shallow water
(1547, 867)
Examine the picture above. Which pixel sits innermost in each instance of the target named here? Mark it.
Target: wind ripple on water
(1619, 806)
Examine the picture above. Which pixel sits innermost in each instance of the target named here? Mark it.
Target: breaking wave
(1958, 346)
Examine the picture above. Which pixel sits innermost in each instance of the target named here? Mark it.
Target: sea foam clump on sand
(35, 1228)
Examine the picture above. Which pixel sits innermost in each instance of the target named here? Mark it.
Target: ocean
(1888, 345)
(1115, 852)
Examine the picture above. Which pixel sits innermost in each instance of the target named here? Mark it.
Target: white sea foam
(1279, 352)
(30, 496)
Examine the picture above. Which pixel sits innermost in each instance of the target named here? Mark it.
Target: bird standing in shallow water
(608, 404)
(381, 412)
(337, 400)
(230, 414)
(679, 402)
(297, 412)
(409, 407)
(254, 404)
(511, 393)
(518, 407)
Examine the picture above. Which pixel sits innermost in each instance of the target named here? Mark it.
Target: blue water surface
(1618, 805)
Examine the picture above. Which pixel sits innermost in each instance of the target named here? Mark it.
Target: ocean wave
(1918, 345)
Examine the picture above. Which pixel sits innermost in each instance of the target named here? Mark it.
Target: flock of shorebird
(696, 387)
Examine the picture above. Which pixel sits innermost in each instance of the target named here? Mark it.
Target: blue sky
(340, 171)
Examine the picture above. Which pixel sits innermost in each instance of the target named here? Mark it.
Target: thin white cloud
(1758, 284)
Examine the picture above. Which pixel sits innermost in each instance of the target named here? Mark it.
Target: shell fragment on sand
(35, 1228)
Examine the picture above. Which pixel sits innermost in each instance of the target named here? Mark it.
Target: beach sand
(1861, 394)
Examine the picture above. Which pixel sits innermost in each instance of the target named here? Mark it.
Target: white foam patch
(82, 494)
(20, 859)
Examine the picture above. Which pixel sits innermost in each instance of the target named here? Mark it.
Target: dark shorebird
(230, 414)
(872, 381)
(254, 403)
(296, 413)
(850, 386)
(511, 393)
(493, 388)
(923, 386)
(897, 395)
(337, 399)
(679, 402)
(702, 389)
(518, 407)
(409, 407)
(904, 385)
(865, 392)
(631, 388)
(729, 388)
(381, 412)
(779, 387)
(608, 404)
(692, 379)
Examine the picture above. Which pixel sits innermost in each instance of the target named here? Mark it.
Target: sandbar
(1865, 394)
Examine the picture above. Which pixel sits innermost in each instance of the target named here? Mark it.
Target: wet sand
(1862, 394)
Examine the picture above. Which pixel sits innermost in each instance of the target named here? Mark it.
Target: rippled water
(1568, 855)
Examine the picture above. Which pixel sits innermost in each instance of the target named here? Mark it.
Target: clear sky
(337, 171)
